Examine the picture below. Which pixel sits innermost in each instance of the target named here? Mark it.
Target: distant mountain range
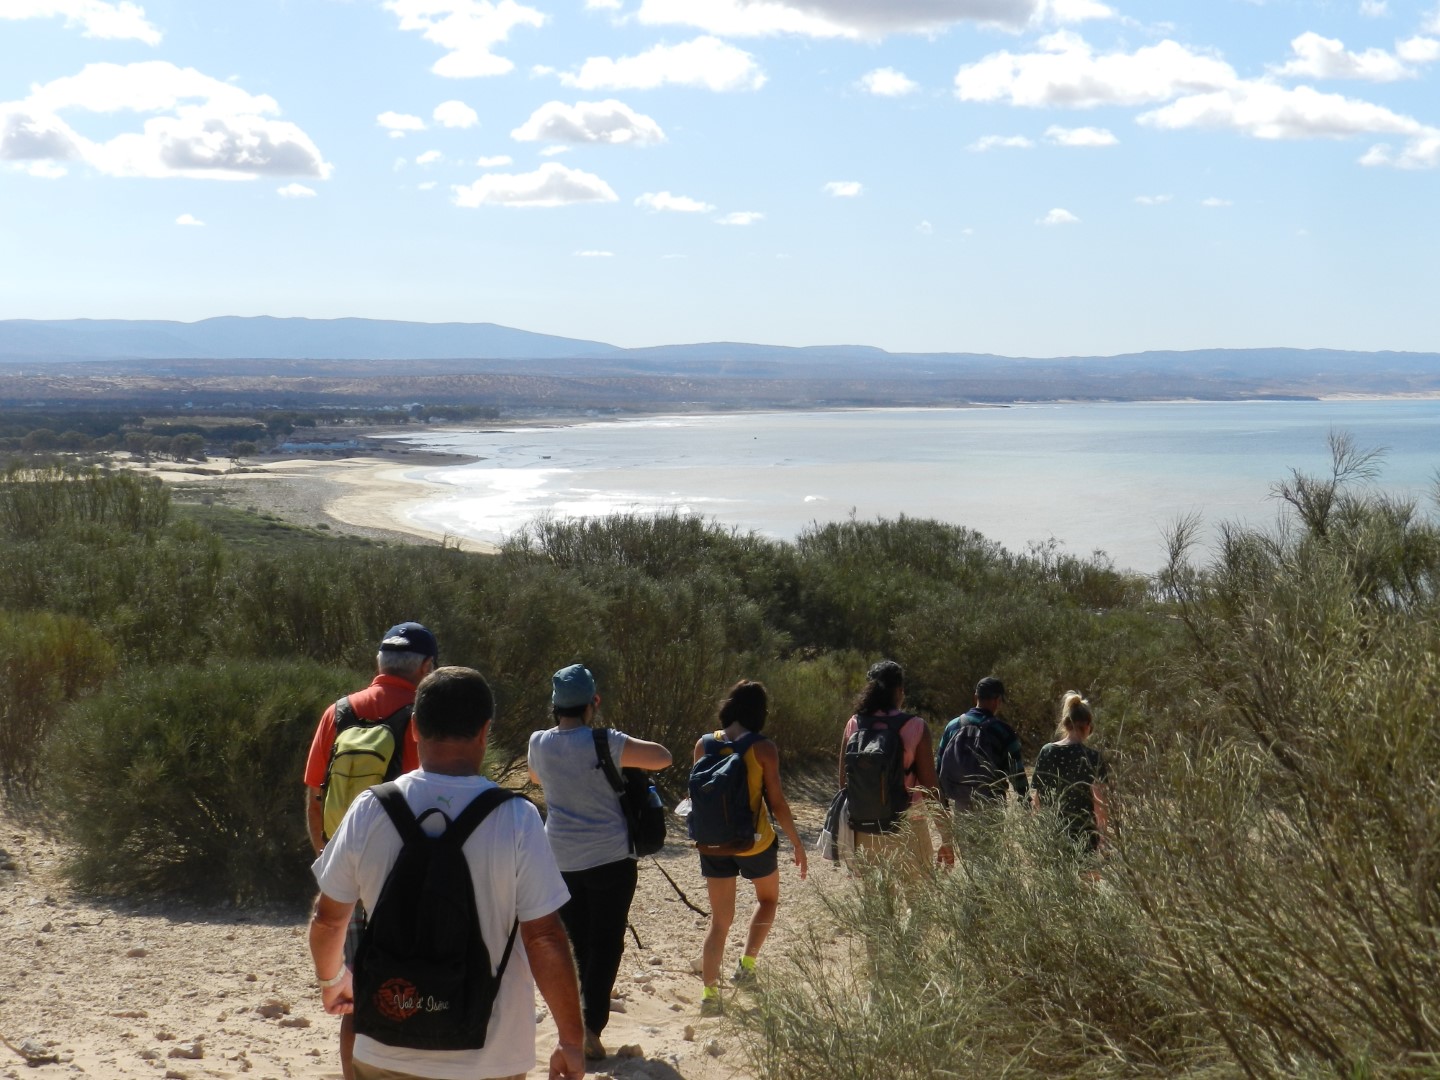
(358, 357)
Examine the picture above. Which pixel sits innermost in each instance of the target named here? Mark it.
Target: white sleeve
(337, 870)
(617, 742)
(539, 888)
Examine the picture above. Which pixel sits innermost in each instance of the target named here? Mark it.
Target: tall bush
(45, 661)
(187, 781)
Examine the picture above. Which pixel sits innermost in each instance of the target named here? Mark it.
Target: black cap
(410, 637)
(989, 688)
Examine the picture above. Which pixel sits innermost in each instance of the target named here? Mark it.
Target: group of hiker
(446, 901)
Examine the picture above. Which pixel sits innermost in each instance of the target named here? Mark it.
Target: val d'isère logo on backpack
(399, 999)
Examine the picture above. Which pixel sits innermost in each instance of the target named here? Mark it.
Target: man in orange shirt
(407, 654)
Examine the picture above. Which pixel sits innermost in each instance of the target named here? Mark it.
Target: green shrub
(45, 661)
(187, 781)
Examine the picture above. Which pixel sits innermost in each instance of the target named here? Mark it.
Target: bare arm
(768, 755)
(1102, 809)
(315, 817)
(553, 966)
(843, 741)
(327, 950)
(639, 754)
(929, 784)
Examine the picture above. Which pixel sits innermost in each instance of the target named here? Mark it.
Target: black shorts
(761, 864)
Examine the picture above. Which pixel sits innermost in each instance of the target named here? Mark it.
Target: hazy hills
(312, 360)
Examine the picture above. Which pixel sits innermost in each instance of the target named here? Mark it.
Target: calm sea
(1108, 477)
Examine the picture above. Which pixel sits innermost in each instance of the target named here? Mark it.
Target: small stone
(675, 1006)
(617, 1005)
(174, 1074)
(273, 1010)
(136, 953)
(252, 977)
(689, 1032)
(295, 1022)
(697, 967)
(131, 1014)
(655, 961)
(192, 1050)
(714, 1049)
(630, 1050)
(165, 1036)
(149, 1055)
(47, 928)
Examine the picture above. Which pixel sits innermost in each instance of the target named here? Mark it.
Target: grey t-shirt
(584, 822)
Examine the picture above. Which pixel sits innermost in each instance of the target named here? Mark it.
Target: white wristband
(326, 984)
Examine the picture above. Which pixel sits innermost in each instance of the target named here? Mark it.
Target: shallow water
(1109, 477)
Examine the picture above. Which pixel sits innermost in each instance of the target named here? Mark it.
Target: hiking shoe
(744, 976)
(712, 1006)
(594, 1051)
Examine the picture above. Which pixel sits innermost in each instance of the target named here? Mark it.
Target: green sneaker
(710, 1003)
(744, 973)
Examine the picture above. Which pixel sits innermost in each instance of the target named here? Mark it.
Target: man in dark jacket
(986, 753)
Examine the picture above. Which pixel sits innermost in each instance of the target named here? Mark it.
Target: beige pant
(373, 1072)
(908, 849)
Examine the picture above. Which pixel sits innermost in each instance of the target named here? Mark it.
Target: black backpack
(971, 768)
(644, 812)
(422, 971)
(875, 774)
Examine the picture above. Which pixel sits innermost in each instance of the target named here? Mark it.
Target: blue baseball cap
(410, 637)
(572, 687)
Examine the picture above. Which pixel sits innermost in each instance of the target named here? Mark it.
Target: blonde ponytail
(1075, 714)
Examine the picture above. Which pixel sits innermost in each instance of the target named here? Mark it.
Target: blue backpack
(721, 821)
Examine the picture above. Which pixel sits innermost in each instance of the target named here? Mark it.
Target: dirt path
(152, 990)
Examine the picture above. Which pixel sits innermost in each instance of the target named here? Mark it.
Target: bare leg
(722, 915)
(767, 899)
(347, 1046)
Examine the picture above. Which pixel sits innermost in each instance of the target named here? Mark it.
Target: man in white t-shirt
(515, 878)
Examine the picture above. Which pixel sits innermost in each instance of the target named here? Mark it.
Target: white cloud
(1431, 25)
(859, 19)
(925, 229)
(740, 217)
(455, 114)
(1000, 142)
(1267, 111)
(399, 123)
(1418, 50)
(468, 31)
(552, 184)
(1058, 217)
(428, 185)
(844, 189)
(188, 219)
(206, 128)
(429, 157)
(594, 254)
(1081, 136)
(680, 204)
(608, 121)
(1068, 72)
(1214, 203)
(554, 151)
(496, 162)
(1316, 57)
(887, 82)
(1374, 9)
(47, 170)
(1153, 200)
(704, 62)
(295, 191)
(95, 18)
(1421, 152)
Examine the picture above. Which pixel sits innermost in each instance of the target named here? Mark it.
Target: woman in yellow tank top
(744, 711)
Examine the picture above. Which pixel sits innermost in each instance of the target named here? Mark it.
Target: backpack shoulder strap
(344, 713)
(469, 819)
(399, 811)
(607, 762)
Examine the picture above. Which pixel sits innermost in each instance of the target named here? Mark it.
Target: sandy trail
(118, 990)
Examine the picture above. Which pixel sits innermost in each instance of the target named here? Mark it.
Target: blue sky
(1027, 177)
